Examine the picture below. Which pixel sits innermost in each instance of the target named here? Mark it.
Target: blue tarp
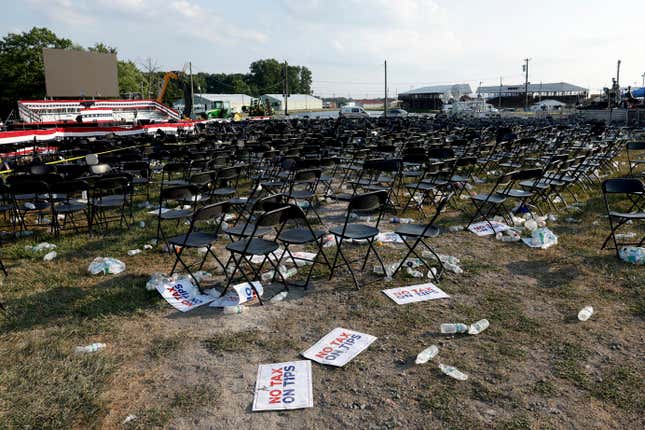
(639, 92)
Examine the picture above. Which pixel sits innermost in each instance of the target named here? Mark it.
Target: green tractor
(219, 109)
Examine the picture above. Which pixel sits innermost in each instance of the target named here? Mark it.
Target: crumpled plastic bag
(43, 246)
(542, 238)
(106, 265)
(632, 254)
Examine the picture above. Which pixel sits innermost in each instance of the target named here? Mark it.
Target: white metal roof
(215, 97)
(532, 88)
(441, 89)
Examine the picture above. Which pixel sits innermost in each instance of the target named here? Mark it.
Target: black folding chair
(107, 194)
(368, 203)
(490, 204)
(181, 193)
(198, 237)
(634, 191)
(634, 163)
(419, 233)
(243, 250)
(69, 201)
(303, 233)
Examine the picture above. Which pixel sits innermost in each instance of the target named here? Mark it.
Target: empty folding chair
(635, 163)
(491, 203)
(109, 194)
(200, 234)
(368, 203)
(72, 200)
(302, 233)
(243, 250)
(632, 190)
(174, 195)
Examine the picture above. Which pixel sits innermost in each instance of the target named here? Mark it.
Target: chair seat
(243, 230)
(355, 231)
(627, 215)
(344, 197)
(196, 239)
(516, 193)
(423, 186)
(416, 230)
(241, 201)
(70, 207)
(176, 214)
(435, 182)
(256, 246)
(494, 198)
(175, 182)
(301, 194)
(376, 187)
(535, 184)
(300, 235)
(109, 201)
(223, 192)
(459, 178)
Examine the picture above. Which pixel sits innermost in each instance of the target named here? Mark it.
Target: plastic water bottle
(432, 273)
(142, 224)
(279, 297)
(453, 372)
(427, 354)
(50, 256)
(454, 328)
(232, 310)
(395, 220)
(455, 228)
(94, 347)
(585, 313)
(530, 225)
(147, 246)
(478, 327)
(133, 252)
(414, 273)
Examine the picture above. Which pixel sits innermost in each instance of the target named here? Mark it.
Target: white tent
(547, 105)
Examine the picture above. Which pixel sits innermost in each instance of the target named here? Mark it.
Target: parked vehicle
(353, 112)
(397, 113)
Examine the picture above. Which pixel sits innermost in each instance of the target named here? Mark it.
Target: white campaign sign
(339, 347)
(283, 386)
(238, 294)
(182, 294)
(483, 228)
(415, 293)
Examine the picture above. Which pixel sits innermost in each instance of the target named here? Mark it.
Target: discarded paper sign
(238, 294)
(283, 386)
(415, 293)
(483, 228)
(182, 294)
(339, 347)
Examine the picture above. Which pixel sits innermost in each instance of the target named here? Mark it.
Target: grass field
(536, 367)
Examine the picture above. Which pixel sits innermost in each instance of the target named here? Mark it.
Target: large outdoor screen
(80, 74)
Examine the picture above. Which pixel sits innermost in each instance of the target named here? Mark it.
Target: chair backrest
(212, 211)
(522, 175)
(273, 217)
(112, 185)
(39, 188)
(368, 202)
(623, 186)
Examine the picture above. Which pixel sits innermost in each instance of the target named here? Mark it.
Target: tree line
(22, 73)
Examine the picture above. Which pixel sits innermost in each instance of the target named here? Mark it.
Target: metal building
(294, 102)
(206, 101)
(433, 97)
(514, 95)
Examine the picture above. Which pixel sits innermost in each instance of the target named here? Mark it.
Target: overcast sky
(344, 42)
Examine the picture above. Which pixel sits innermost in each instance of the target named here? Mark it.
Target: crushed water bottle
(453, 372)
(279, 297)
(93, 347)
(50, 256)
(585, 313)
(450, 328)
(414, 273)
(427, 354)
(478, 327)
(455, 228)
(233, 310)
(134, 252)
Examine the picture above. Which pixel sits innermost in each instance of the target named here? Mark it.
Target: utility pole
(499, 103)
(385, 101)
(192, 92)
(286, 87)
(526, 83)
(643, 76)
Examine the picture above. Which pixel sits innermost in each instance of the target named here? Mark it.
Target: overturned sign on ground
(484, 228)
(238, 294)
(182, 294)
(339, 347)
(283, 386)
(415, 293)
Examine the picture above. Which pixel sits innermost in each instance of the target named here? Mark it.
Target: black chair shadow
(544, 272)
(116, 295)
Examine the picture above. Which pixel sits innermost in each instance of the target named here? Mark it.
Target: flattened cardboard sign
(283, 386)
(182, 294)
(484, 229)
(339, 347)
(415, 293)
(238, 294)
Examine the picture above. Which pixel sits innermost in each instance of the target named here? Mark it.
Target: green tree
(22, 72)
(130, 77)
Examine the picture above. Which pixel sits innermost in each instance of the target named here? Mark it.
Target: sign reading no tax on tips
(283, 386)
(339, 347)
(415, 293)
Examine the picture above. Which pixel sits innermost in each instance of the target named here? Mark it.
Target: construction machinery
(259, 108)
(219, 109)
(166, 80)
